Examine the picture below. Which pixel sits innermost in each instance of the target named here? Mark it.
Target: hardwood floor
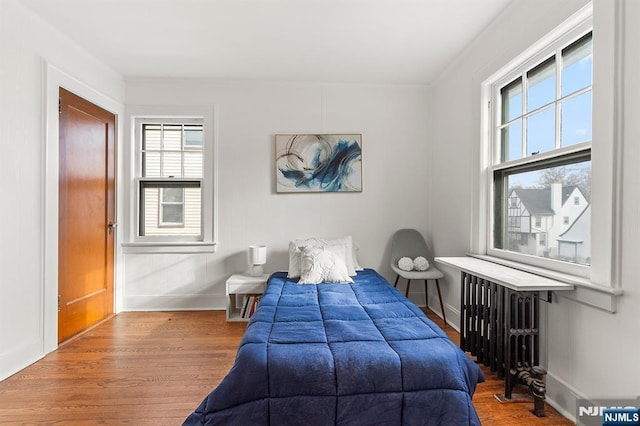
(155, 367)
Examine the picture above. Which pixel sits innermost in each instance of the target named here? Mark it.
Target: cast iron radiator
(500, 327)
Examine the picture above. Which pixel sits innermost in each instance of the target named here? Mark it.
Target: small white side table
(240, 286)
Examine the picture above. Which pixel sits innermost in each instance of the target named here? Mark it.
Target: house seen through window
(170, 179)
(541, 152)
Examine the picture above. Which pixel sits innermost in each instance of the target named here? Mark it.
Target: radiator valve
(535, 379)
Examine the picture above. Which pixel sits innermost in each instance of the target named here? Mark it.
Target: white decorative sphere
(420, 264)
(405, 263)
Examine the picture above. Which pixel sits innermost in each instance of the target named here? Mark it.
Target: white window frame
(139, 124)
(207, 116)
(511, 73)
(602, 284)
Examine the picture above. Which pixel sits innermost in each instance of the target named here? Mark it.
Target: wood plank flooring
(154, 368)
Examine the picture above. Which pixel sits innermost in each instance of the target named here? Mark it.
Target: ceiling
(329, 41)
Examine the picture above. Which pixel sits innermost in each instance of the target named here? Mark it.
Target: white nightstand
(240, 286)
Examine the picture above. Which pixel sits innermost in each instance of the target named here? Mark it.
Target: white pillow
(295, 247)
(324, 264)
(356, 264)
(294, 260)
(349, 257)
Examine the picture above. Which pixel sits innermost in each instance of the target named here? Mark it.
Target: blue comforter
(327, 354)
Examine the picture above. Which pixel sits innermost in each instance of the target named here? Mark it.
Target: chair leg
(441, 304)
(426, 293)
(406, 293)
(396, 283)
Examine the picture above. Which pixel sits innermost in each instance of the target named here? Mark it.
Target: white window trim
(600, 284)
(208, 114)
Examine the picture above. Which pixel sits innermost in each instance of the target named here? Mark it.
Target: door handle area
(111, 226)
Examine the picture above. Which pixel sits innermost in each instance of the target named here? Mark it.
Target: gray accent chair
(410, 243)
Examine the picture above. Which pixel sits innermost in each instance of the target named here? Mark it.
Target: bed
(358, 353)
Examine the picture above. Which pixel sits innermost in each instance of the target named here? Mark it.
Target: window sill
(585, 291)
(168, 247)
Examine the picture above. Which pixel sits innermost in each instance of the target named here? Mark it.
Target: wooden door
(86, 227)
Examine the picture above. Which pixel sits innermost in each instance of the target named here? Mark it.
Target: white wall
(420, 163)
(393, 122)
(591, 352)
(26, 44)
(36, 58)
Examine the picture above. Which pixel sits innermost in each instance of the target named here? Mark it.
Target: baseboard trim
(16, 359)
(562, 396)
(453, 314)
(184, 302)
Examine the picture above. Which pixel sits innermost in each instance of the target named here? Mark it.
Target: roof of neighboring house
(538, 200)
(568, 190)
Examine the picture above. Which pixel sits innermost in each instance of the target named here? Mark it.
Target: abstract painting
(318, 163)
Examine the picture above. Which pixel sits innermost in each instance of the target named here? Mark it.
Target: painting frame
(318, 162)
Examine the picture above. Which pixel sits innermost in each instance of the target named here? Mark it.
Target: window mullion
(558, 96)
(525, 120)
(495, 112)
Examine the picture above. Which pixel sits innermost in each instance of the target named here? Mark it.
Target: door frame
(54, 79)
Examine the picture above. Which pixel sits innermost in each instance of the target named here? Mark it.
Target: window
(593, 263)
(172, 207)
(171, 198)
(524, 239)
(514, 223)
(170, 175)
(541, 151)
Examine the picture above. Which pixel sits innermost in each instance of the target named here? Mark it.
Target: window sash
(517, 84)
(501, 231)
(143, 231)
(162, 155)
